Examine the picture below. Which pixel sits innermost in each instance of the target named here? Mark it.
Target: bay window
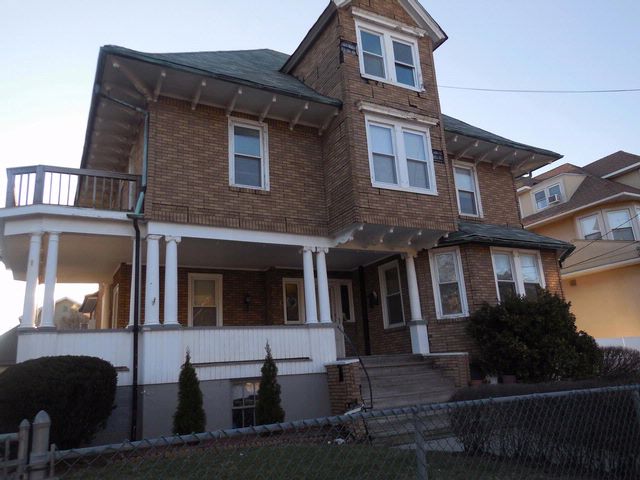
(400, 156)
(517, 272)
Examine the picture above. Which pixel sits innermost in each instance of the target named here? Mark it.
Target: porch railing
(71, 187)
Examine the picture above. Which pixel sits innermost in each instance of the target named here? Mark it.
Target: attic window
(548, 196)
(389, 57)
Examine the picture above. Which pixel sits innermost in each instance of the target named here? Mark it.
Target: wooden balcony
(71, 187)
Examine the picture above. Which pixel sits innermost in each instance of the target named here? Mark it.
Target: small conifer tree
(268, 407)
(189, 416)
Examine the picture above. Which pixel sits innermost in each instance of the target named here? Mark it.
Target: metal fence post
(421, 450)
(635, 396)
(39, 456)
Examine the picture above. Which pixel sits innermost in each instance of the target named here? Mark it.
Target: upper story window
(591, 227)
(448, 283)
(400, 156)
(548, 196)
(620, 224)
(517, 272)
(467, 190)
(388, 57)
(248, 154)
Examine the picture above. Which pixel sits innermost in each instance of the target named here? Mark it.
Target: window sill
(477, 218)
(371, 78)
(453, 318)
(391, 328)
(252, 190)
(398, 188)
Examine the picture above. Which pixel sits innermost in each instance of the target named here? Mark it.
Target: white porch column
(50, 274)
(132, 291)
(417, 325)
(171, 282)
(152, 289)
(33, 265)
(311, 312)
(323, 286)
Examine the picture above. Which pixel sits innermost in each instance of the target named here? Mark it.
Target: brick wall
(344, 387)
(454, 367)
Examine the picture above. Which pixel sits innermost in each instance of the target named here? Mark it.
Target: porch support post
(152, 290)
(33, 265)
(50, 274)
(323, 286)
(171, 282)
(417, 325)
(132, 291)
(311, 313)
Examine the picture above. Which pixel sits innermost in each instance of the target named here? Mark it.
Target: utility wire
(604, 254)
(602, 235)
(507, 90)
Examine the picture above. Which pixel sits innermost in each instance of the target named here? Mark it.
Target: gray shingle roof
(454, 125)
(498, 235)
(253, 68)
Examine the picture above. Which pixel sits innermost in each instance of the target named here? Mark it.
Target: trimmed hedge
(587, 433)
(77, 392)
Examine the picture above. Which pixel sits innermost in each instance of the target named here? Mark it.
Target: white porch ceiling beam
(484, 156)
(466, 150)
(233, 102)
(265, 110)
(135, 81)
(296, 119)
(159, 82)
(196, 97)
(504, 159)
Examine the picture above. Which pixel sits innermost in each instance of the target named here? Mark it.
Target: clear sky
(48, 53)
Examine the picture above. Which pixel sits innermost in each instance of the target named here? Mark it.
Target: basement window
(248, 154)
(243, 409)
(388, 57)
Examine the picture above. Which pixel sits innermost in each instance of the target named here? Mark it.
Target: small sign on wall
(348, 48)
(438, 156)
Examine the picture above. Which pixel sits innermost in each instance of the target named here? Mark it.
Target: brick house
(319, 201)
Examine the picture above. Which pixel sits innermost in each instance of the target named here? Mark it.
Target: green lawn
(298, 462)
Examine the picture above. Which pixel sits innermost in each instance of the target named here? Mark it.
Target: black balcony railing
(71, 187)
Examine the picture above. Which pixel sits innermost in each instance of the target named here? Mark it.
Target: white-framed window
(517, 272)
(548, 196)
(400, 156)
(205, 300)
(468, 191)
(293, 300)
(391, 294)
(388, 56)
(620, 224)
(243, 406)
(448, 283)
(248, 154)
(591, 227)
(341, 300)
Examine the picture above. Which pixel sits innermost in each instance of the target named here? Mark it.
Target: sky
(48, 54)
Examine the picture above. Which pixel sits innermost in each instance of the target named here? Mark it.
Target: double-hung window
(388, 56)
(517, 272)
(467, 190)
(293, 300)
(400, 156)
(620, 224)
(548, 196)
(243, 407)
(391, 295)
(205, 300)
(248, 154)
(591, 227)
(448, 283)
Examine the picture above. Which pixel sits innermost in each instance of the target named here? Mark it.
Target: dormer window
(388, 57)
(548, 196)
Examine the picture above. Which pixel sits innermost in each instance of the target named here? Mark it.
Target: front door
(341, 299)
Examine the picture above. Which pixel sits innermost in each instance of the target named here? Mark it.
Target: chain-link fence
(586, 434)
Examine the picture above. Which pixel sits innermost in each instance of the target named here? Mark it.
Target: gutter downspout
(136, 217)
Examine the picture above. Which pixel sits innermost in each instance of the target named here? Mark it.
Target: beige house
(597, 208)
(67, 316)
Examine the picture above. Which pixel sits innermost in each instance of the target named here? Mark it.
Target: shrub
(189, 416)
(534, 339)
(620, 362)
(77, 392)
(268, 407)
(583, 432)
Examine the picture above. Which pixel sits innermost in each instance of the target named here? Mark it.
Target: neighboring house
(66, 315)
(282, 199)
(596, 207)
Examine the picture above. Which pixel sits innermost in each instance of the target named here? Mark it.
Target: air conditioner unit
(553, 199)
